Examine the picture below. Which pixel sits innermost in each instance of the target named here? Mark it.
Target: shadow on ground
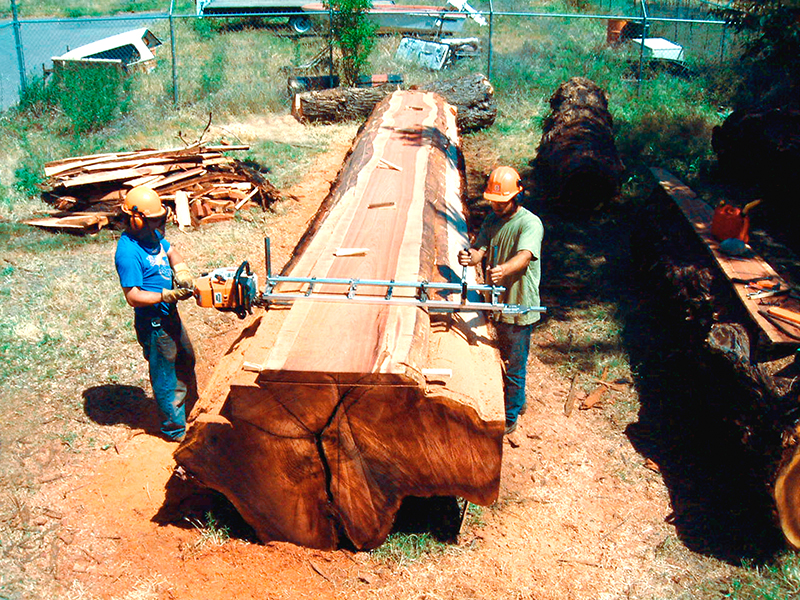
(718, 490)
(121, 405)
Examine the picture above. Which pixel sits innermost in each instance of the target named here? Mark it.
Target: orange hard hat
(143, 201)
(503, 185)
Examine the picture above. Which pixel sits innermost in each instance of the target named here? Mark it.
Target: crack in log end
(444, 449)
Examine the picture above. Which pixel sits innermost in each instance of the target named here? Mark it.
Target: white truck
(389, 17)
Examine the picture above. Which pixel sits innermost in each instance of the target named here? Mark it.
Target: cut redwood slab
(321, 419)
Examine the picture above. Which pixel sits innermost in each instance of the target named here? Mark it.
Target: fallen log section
(213, 185)
(742, 337)
(325, 415)
(577, 165)
(472, 96)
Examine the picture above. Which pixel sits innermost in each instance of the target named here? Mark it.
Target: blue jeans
(170, 356)
(514, 342)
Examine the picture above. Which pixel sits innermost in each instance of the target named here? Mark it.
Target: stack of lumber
(215, 186)
(324, 416)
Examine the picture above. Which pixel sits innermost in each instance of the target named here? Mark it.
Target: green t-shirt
(502, 240)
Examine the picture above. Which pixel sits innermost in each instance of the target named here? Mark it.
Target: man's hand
(469, 257)
(183, 276)
(496, 274)
(172, 296)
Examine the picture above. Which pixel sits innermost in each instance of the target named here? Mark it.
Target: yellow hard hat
(143, 201)
(503, 185)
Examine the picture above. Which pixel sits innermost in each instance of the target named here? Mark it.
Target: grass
(91, 8)
(404, 549)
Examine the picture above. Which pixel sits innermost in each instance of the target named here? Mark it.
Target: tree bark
(338, 104)
(577, 165)
(321, 419)
(473, 97)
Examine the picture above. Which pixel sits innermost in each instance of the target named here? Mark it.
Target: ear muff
(137, 220)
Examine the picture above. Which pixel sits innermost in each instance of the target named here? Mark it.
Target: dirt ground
(584, 510)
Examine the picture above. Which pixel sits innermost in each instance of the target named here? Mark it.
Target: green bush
(353, 34)
(212, 75)
(92, 97)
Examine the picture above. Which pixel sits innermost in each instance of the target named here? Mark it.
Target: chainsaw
(235, 289)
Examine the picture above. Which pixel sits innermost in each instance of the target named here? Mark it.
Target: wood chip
(594, 397)
(383, 163)
(387, 204)
(340, 252)
(569, 405)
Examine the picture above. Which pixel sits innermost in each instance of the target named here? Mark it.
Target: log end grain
(787, 499)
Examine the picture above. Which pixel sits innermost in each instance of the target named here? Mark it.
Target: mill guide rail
(235, 289)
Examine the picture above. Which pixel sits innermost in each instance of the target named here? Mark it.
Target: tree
(353, 33)
(772, 56)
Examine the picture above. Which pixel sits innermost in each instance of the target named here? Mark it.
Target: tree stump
(323, 416)
(577, 165)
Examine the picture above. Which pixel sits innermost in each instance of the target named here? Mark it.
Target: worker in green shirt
(510, 243)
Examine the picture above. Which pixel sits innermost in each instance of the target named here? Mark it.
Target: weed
(406, 548)
(213, 77)
(778, 580)
(212, 532)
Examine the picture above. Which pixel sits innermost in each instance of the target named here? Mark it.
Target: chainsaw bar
(421, 298)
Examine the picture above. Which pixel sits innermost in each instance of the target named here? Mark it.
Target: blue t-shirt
(146, 267)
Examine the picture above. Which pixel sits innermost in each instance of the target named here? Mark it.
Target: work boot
(511, 427)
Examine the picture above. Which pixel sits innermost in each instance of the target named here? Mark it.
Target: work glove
(172, 296)
(183, 276)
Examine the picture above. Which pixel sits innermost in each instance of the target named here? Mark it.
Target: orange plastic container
(730, 222)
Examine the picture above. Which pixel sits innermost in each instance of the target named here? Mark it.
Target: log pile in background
(577, 165)
(338, 104)
(93, 187)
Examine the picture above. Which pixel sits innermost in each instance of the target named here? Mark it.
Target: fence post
(641, 48)
(330, 46)
(174, 57)
(722, 43)
(491, 30)
(20, 56)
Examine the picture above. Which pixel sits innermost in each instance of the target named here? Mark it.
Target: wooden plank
(699, 214)
(104, 177)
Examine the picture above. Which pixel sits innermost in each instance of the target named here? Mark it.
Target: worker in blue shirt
(147, 265)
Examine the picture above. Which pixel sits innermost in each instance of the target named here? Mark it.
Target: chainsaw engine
(228, 289)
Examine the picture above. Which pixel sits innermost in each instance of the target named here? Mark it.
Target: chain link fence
(243, 62)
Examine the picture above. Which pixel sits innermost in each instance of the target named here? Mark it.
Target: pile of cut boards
(199, 183)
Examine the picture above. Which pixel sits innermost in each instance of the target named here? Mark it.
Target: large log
(756, 375)
(338, 104)
(320, 419)
(577, 165)
(472, 95)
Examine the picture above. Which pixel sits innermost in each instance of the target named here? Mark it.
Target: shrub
(93, 96)
(353, 34)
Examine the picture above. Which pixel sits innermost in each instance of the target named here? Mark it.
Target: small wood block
(351, 252)
(437, 374)
(388, 204)
(182, 212)
(383, 163)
